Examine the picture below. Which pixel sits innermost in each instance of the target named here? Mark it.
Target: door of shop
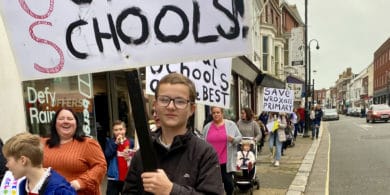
(111, 103)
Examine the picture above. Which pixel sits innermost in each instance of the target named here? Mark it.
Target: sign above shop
(211, 79)
(297, 47)
(64, 38)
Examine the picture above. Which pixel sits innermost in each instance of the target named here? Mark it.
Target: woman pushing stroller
(249, 127)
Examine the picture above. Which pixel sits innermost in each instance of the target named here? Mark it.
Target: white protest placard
(278, 100)
(270, 126)
(297, 88)
(10, 185)
(56, 38)
(297, 46)
(211, 79)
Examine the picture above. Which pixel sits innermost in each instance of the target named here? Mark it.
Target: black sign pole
(141, 125)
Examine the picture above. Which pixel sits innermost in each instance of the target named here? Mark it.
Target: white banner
(54, 38)
(297, 88)
(211, 78)
(278, 100)
(297, 47)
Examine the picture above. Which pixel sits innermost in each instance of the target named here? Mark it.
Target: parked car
(330, 114)
(378, 112)
(355, 111)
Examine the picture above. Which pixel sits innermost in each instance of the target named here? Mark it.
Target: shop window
(230, 113)
(43, 98)
(245, 93)
(265, 53)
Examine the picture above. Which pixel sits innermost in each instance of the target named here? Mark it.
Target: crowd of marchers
(189, 161)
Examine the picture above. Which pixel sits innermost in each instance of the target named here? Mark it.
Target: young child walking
(118, 153)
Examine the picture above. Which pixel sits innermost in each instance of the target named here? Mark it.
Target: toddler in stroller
(245, 178)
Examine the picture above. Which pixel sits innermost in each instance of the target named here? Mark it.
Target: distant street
(359, 157)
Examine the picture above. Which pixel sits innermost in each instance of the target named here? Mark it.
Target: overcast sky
(348, 31)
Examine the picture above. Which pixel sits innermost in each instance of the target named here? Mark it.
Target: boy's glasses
(179, 103)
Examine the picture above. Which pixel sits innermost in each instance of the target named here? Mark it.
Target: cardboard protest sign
(211, 79)
(278, 100)
(10, 185)
(296, 46)
(297, 88)
(62, 38)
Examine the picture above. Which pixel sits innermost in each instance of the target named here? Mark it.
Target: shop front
(98, 99)
(245, 92)
(382, 96)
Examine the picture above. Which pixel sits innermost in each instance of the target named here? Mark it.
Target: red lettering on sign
(60, 65)
(25, 7)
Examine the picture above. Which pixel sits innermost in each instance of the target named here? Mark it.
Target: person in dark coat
(3, 168)
(264, 119)
(317, 121)
(186, 164)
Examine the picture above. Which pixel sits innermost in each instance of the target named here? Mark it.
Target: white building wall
(256, 54)
(328, 99)
(13, 119)
(370, 82)
(356, 87)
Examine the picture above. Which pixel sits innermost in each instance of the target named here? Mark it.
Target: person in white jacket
(245, 157)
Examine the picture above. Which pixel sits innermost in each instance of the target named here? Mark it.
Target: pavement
(292, 176)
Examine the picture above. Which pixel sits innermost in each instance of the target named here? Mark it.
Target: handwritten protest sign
(297, 88)
(211, 78)
(62, 37)
(278, 100)
(10, 185)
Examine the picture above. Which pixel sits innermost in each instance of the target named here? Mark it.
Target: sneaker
(272, 159)
(276, 163)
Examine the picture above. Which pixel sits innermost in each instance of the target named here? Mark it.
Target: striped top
(81, 161)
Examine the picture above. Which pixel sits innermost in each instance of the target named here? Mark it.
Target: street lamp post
(308, 47)
(313, 92)
(306, 131)
(312, 95)
(308, 86)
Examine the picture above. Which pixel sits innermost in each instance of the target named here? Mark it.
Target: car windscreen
(330, 111)
(381, 107)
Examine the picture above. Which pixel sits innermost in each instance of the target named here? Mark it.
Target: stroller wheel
(257, 183)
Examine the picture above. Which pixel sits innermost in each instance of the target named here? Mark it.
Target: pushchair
(290, 136)
(245, 178)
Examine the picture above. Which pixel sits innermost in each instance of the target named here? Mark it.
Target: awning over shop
(245, 68)
(381, 92)
(292, 79)
(267, 80)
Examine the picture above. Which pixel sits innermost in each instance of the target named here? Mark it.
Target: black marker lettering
(69, 44)
(171, 38)
(195, 27)
(145, 26)
(235, 30)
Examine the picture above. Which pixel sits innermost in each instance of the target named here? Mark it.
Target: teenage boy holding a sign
(186, 164)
